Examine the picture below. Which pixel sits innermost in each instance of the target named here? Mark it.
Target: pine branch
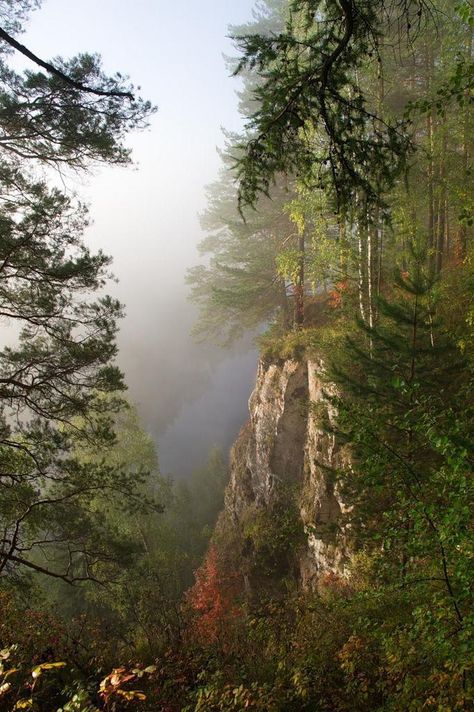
(64, 577)
(57, 72)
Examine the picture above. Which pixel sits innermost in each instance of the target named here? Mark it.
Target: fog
(189, 396)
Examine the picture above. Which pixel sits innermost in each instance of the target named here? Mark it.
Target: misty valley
(236, 452)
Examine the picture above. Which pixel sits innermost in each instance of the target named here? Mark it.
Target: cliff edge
(282, 504)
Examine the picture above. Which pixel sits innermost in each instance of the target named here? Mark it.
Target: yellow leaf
(4, 688)
(131, 695)
(51, 666)
(46, 666)
(24, 704)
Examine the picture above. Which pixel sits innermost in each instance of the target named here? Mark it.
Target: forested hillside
(334, 572)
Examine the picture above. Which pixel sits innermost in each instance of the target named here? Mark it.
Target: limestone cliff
(284, 452)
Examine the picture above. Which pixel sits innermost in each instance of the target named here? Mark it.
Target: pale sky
(146, 217)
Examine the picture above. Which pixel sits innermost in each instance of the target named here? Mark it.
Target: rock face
(284, 449)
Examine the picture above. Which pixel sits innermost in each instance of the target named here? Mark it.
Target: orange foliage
(334, 584)
(112, 687)
(213, 599)
(335, 295)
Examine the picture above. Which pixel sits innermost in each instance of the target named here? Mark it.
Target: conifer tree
(403, 408)
(60, 364)
(312, 118)
(240, 288)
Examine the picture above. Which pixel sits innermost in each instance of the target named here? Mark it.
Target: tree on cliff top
(239, 287)
(312, 118)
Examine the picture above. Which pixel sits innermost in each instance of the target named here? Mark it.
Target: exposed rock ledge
(283, 444)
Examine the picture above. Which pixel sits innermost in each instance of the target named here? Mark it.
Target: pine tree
(60, 365)
(403, 408)
(239, 288)
(313, 119)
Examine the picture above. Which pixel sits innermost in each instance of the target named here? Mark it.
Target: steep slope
(284, 462)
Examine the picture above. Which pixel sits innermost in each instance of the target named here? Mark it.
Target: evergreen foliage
(310, 90)
(239, 289)
(60, 362)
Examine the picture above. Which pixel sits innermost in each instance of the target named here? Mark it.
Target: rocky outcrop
(285, 452)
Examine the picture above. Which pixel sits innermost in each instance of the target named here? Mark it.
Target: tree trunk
(371, 232)
(441, 221)
(431, 221)
(299, 285)
(343, 250)
(361, 260)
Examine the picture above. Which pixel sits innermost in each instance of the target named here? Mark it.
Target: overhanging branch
(64, 577)
(57, 72)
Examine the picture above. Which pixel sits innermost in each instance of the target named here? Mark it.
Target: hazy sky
(146, 217)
